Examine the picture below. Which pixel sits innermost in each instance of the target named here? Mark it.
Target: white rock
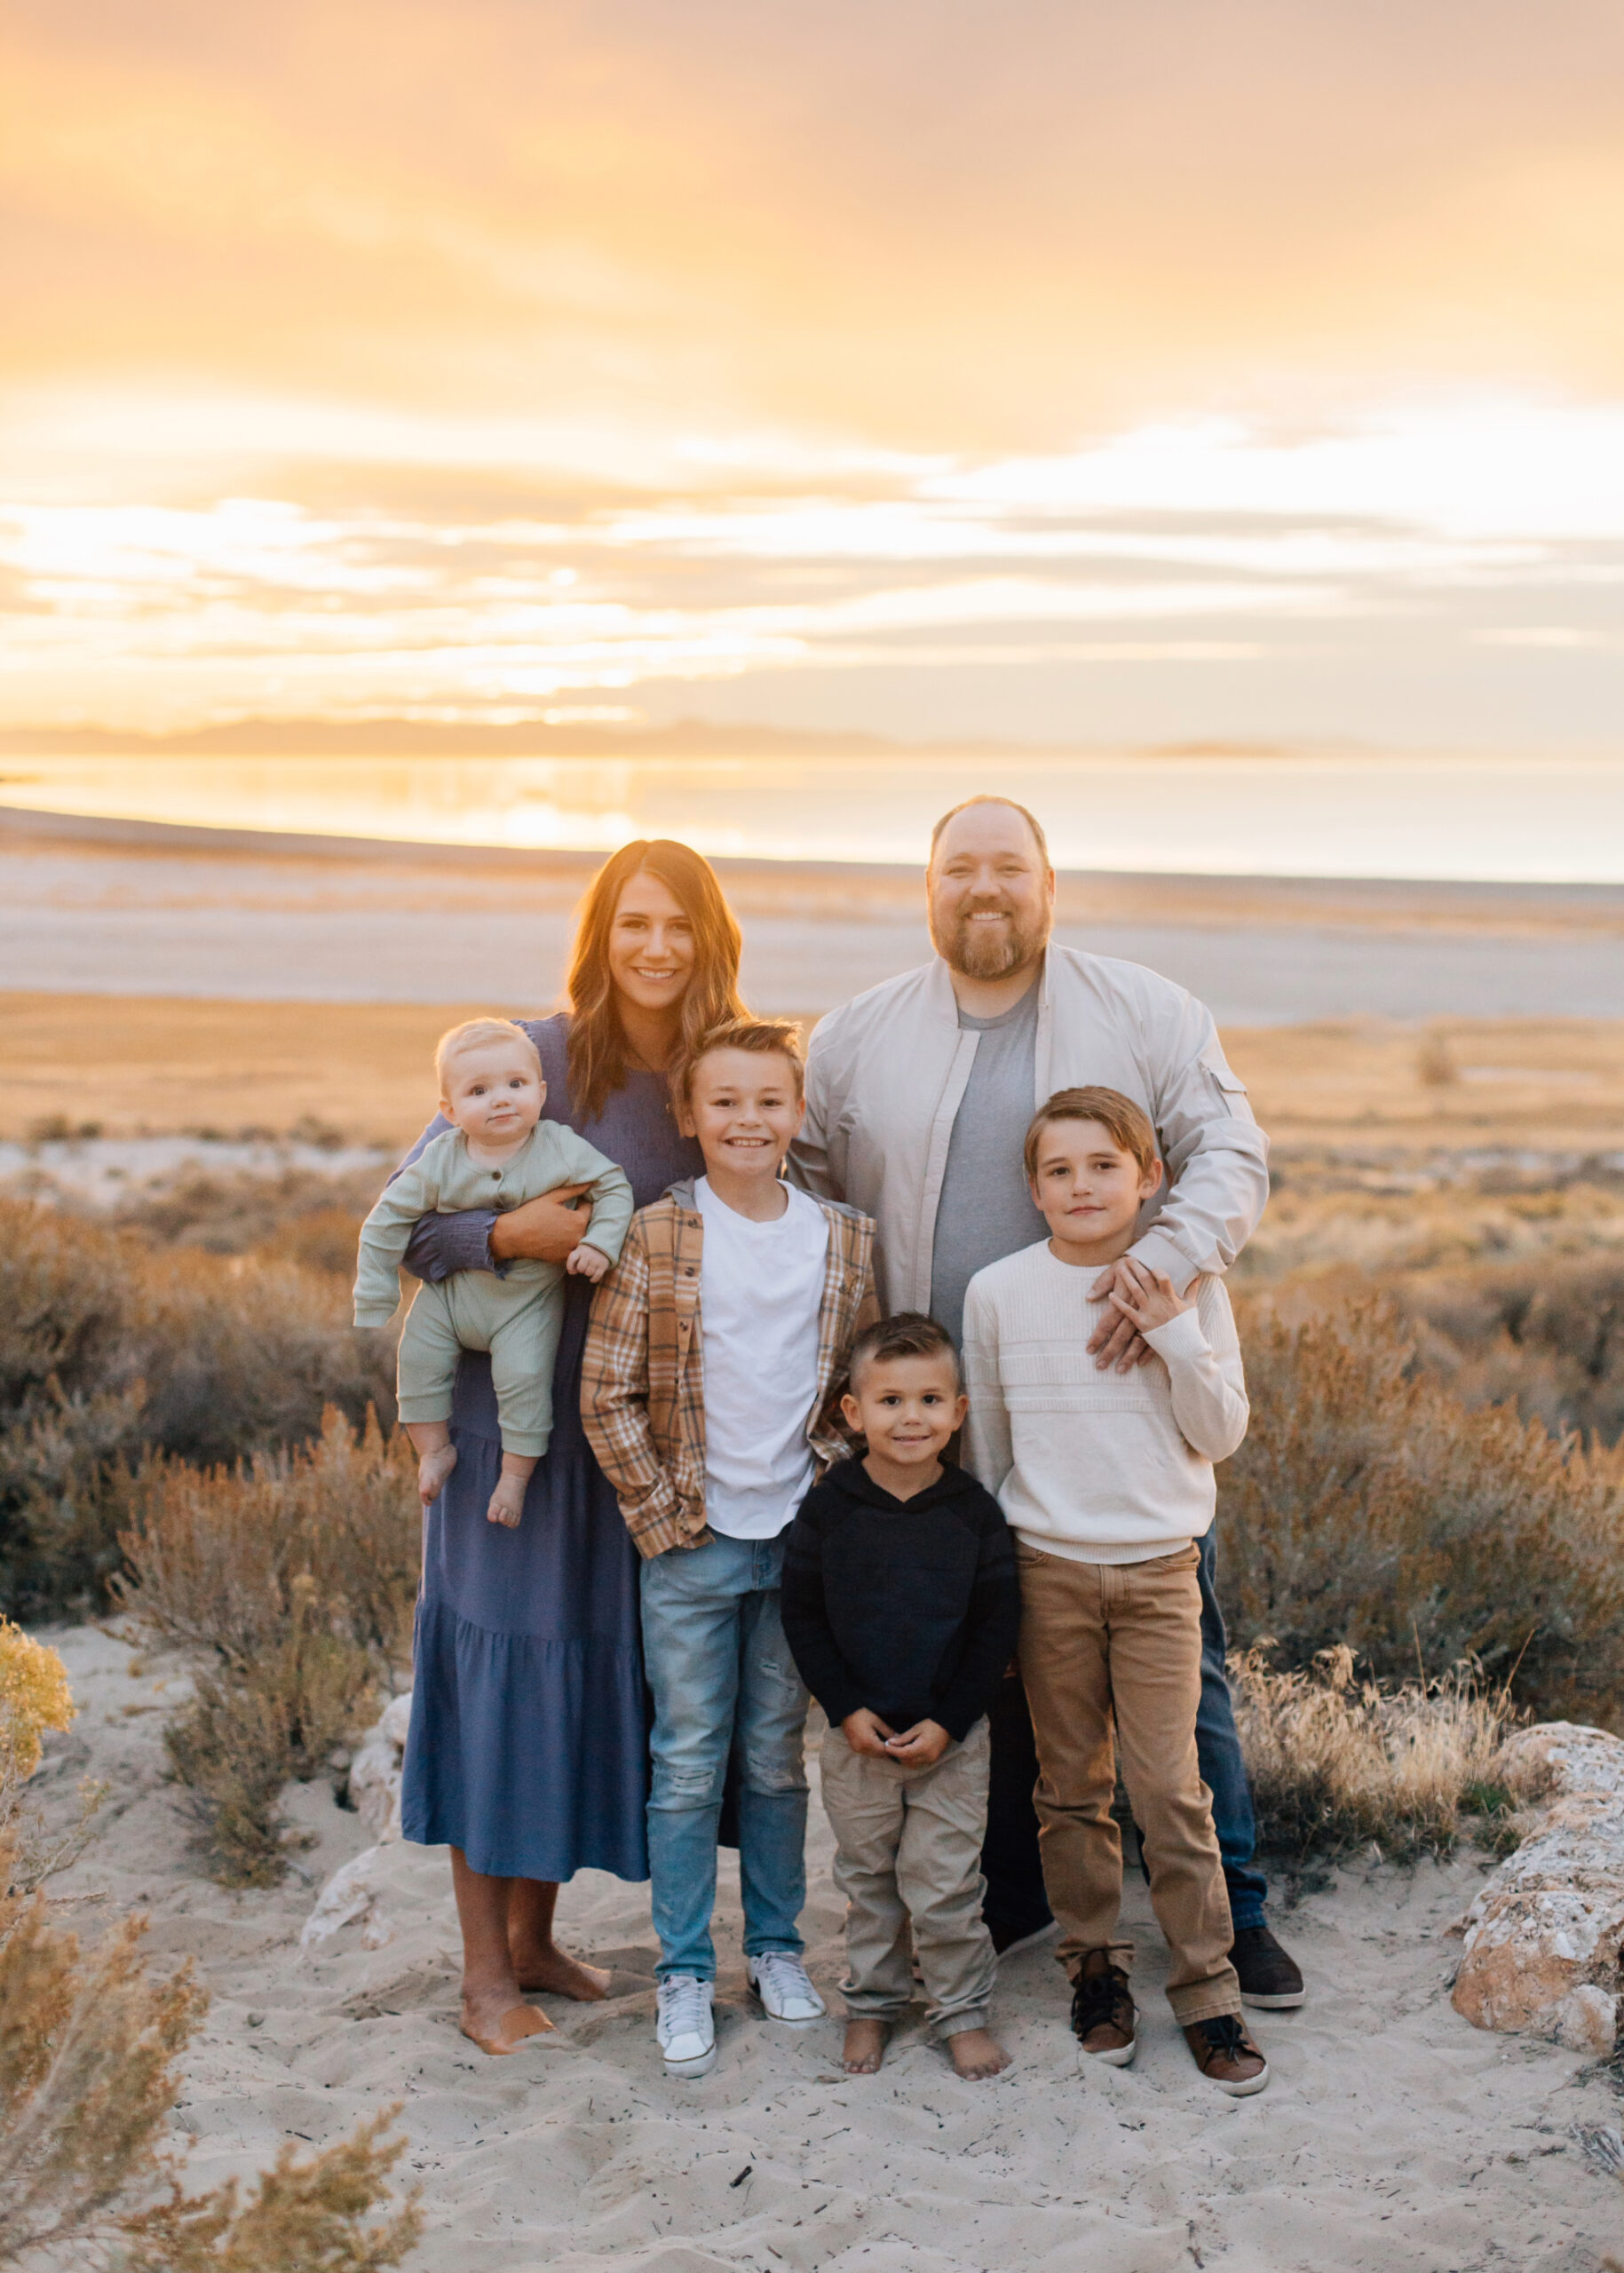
(1544, 1945)
(350, 1897)
(375, 1772)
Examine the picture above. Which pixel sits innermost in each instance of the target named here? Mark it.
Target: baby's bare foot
(433, 1469)
(507, 1502)
(865, 2048)
(492, 2021)
(561, 1975)
(976, 2054)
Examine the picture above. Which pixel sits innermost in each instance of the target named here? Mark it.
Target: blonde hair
(1126, 1124)
(596, 1046)
(470, 1034)
(989, 797)
(764, 1037)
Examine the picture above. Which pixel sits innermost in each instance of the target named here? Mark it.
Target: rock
(350, 1897)
(375, 1773)
(1544, 1943)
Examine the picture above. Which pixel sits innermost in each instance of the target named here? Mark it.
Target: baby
(497, 1153)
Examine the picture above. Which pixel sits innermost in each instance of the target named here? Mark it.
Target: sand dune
(1393, 2137)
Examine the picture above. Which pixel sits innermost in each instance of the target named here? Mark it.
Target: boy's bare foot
(507, 1501)
(554, 1974)
(976, 2055)
(865, 2048)
(433, 1469)
(493, 2022)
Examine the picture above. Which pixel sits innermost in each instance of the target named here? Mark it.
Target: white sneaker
(787, 1994)
(686, 2025)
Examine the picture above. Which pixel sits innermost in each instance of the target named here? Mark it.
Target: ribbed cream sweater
(1098, 1467)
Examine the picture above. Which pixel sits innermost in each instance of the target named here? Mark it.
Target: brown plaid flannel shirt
(642, 1379)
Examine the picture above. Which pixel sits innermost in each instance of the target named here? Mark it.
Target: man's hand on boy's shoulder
(866, 1732)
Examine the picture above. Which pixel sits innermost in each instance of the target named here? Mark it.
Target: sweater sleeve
(1201, 1351)
(805, 1614)
(440, 1245)
(991, 1629)
(989, 1451)
(383, 1236)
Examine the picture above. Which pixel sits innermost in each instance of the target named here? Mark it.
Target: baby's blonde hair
(474, 1031)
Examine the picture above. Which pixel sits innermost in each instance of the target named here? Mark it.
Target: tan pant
(909, 1847)
(1121, 1642)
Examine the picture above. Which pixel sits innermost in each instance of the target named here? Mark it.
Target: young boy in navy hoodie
(901, 1607)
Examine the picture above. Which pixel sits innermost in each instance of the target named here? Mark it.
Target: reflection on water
(1557, 819)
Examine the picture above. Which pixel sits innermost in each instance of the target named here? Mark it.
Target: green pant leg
(524, 1347)
(425, 1365)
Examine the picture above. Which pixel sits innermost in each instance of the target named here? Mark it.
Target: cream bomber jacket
(885, 1074)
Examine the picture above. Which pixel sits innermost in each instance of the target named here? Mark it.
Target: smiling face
(745, 1106)
(493, 1091)
(1091, 1190)
(908, 1407)
(991, 893)
(651, 945)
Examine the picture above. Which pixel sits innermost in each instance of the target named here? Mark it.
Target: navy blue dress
(529, 1734)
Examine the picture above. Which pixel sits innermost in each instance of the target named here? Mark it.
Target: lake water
(1555, 821)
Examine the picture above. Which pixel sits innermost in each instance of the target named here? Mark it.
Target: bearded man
(918, 1097)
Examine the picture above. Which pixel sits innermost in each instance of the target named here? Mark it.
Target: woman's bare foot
(507, 1501)
(433, 1469)
(552, 1972)
(865, 2048)
(492, 2021)
(976, 2054)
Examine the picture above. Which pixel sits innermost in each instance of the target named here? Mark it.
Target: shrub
(87, 2052)
(291, 1579)
(108, 1351)
(1369, 1505)
(1337, 1763)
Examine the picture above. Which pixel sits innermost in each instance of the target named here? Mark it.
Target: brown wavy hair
(597, 1042)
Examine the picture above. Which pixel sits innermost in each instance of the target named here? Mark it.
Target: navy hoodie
(909, 1607)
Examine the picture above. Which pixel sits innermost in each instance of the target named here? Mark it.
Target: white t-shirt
(761, 1294)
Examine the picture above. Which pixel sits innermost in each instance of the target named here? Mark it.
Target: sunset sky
(938, 368)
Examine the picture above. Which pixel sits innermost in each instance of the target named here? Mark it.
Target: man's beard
(978, 952)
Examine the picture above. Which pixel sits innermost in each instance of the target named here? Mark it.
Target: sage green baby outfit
(517, 1316)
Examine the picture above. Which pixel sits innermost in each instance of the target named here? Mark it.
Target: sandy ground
(1393, 2136)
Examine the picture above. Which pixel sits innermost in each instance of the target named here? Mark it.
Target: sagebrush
(1370, 1505)
(290, 1580)
(110, 1351)
(1337, 1761)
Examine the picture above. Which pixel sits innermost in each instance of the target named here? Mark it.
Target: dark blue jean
(1015, 1902)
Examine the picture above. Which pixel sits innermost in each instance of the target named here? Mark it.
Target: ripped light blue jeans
(724, 1683)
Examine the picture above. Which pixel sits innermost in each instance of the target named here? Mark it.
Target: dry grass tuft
(291, 1582)
(1369, 1505)
(1337, 1763)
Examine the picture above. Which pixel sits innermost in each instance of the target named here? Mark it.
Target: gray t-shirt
(986, 1210)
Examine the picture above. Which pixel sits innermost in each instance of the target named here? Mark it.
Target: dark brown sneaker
(1103, 2020)
(1224, 2051)
(1269, 1976)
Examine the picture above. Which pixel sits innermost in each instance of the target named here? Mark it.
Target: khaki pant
(1105, 1643)
(909, 1847)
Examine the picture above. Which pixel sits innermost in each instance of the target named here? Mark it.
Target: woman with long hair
(528, 1751)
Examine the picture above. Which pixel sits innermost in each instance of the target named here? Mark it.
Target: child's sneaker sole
(689, 2071)
(1246, 2087)
(1122, 2057)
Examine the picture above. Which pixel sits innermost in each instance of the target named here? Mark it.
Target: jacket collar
(943, 1004)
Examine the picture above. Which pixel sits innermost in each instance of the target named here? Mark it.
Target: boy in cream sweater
(1107, 1483)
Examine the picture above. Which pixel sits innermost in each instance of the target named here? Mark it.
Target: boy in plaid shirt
(715, 1347)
